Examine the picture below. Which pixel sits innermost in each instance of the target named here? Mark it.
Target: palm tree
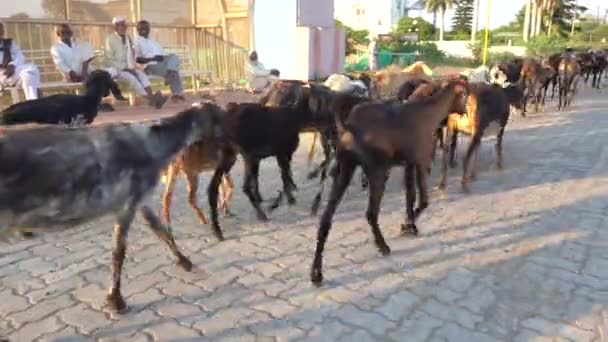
(439, 6)
(526, 33)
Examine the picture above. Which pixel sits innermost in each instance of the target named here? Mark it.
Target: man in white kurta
(70, 57)
(259, 77)
(14, 72)
(156, 61)
(120, 59)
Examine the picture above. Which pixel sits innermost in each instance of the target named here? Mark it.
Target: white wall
(273, 24)
(459, 48)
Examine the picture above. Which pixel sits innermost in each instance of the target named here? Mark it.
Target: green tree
(354, 38)
(439, 6)
(426, 30)
(463, 17)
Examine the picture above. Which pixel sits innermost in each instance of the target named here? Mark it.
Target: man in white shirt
(70, 57)
(157, 62)
(259, 77)
(14, 71)
(120, 59)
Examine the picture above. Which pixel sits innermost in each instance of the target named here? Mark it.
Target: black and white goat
(53, 178)
(64, 108)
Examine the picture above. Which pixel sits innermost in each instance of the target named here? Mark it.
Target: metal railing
(212, 53)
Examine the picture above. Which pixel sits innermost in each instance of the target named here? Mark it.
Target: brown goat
(378, 136)
(193, 160)
(487, 112)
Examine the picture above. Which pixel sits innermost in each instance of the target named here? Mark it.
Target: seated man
(70, 57)
(14, 71)
(156, 61)
(120, 59)
(259, 77)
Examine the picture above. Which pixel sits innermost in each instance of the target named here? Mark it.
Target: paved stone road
(523, 258)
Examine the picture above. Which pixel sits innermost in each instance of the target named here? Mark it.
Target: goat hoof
(115, 303)
(316, 277)
(262, 217)
(384, 250)
(453, 164)
(465, 188)
(184, 263)
(409, 229)
(228, 213)
(313, 174)
(291, 201)
(28, 235)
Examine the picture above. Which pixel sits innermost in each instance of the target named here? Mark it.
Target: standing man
(70, 57)
(157, 62)
(373, 55)
(14, 71)
(120, 59)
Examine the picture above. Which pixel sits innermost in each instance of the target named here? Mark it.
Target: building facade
(376, 16)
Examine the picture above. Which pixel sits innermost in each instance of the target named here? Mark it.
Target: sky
(503, 11)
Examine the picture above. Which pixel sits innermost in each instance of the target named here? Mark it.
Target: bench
(187, 67)
(51, 78)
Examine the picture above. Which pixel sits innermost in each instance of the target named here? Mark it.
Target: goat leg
(164, 234)
(212, 193)
(192, 189)
(228, 187)
(476, 140)
(499, 163)
(250, 185)
(409, 228)
(317, 199)
(114, 300)
(453, 136)
(339, 186)
(421, 183)
(377, 183)
(444, 166)
(168, 195)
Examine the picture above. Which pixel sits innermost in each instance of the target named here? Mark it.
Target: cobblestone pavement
(522, 258)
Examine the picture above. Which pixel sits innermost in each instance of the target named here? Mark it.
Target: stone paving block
(36, 328)
(11, 303)
(521, 258)
(83, 318)
(171, 331)
(41, 310)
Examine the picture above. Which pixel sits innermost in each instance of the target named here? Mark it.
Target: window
(33, 9)
(359, 11)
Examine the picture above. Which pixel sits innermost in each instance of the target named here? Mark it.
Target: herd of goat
(55, 177)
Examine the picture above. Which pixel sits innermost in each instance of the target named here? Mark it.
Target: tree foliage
(354, 37)
(426, 30)
(463, 17)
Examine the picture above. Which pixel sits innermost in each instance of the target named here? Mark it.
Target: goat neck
(436, 108)
(172, 134)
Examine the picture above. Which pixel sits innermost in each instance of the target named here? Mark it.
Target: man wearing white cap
(120, 57)
(13, 69)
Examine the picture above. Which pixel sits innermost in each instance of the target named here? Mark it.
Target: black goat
(377, 137)
(53, 178)
(64, 108)
(257, 132)
(487, 112)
